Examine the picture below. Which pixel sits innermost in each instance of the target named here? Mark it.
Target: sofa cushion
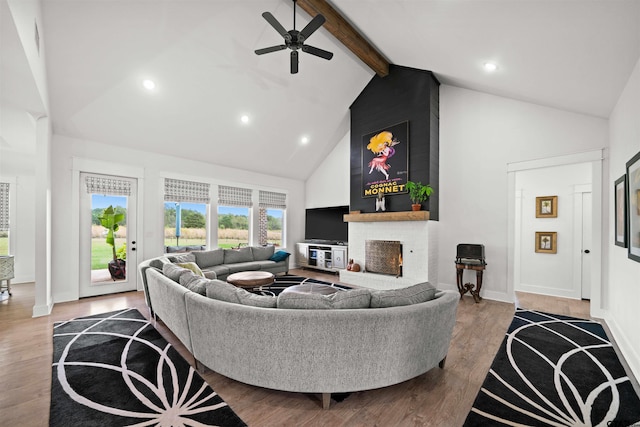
(219, 270)
(173, 271)
(243, 266)
(262, 253)
(354, 298)
(254, 300)
(195, 283)
(206, 259)
(232, 256)
(191, 266)
(280, 256)
(265, 265)
(223, 291)
(186, 257)
(159, 262)
(406, 296)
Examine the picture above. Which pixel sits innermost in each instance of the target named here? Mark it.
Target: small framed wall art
(546, 242)
(620, 195)
(633, 205)
(547, 207)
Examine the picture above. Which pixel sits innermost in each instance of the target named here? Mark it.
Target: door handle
(587, 251)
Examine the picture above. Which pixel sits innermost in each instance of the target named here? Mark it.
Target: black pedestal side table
(478, 266)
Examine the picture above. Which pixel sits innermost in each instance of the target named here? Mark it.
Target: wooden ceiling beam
(342, 30)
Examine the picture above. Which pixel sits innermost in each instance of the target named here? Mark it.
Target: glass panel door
(107, 234)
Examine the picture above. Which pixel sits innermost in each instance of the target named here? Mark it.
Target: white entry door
(586, 246)
(107, 259)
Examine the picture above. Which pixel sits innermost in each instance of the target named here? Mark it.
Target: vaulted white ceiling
(571, 54)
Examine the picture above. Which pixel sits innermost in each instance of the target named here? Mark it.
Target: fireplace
(383, 257)
(418, 249)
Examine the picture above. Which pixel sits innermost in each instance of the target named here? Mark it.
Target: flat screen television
(326, 225)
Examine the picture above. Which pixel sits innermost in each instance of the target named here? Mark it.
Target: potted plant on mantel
(418, 193)
(110, 220)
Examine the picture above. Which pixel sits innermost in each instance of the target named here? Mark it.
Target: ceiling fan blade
(317, 52)
(270, 49)
(294, 61)
(275, 24)
(315, 23)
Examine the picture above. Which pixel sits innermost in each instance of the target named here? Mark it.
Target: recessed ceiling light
(304, 140)
(148, 84)
(244, 119)
(490, 66)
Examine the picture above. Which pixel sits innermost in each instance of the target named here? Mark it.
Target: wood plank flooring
(441, 397)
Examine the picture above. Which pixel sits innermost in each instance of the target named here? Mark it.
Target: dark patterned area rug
(283, 282)
(554, 370)
(115, 369)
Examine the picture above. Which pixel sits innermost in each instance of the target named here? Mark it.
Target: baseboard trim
(42, 310)
(630, 355)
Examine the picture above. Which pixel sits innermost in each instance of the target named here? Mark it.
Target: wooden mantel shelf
(387, 216)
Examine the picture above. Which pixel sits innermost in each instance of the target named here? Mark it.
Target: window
(4, 218)
(271, 221)
(185, 213)
(234, 218)
(185, 224)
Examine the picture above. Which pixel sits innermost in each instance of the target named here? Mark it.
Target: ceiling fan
(294, 39)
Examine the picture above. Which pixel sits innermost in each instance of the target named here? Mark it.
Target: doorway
(569, 238)
(108, 221)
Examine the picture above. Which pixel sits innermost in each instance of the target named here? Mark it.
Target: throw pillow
(159, 262)
(233, 256)
(191, 266)
(262, 253)
(195, 283)
(206, 259)
(406, 296)
(173, 271)
(354, 298)
(280, 256)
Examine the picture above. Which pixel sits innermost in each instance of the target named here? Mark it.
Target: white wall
(329, 184)
(623, 292)
(550, 274)
(479, 135)
(155, 167)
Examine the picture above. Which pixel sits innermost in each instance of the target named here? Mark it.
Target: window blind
(4, 206)
(176, 190)
(234, 196)
(103, 185)
(269, 199)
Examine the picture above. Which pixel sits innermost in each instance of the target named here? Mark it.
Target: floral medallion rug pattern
(115, 369)
(554, 370)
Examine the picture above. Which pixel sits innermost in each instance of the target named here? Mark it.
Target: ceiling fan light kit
(294, 39)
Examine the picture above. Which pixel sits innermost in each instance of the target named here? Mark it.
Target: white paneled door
(586, 246)
(107, 234)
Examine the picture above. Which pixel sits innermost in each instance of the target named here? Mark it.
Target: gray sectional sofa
(220, 263)
(255, 340)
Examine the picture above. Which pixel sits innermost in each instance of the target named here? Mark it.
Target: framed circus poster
(385, 161)
(620, 215)
(633, 214)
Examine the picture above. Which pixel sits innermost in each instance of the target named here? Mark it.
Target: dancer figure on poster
(382, 145)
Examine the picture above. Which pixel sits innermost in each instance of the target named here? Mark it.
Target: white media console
(321, 256)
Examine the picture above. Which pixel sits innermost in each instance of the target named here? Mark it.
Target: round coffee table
(251, 279)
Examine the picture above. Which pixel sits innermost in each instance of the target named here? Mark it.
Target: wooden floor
(441, 397)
